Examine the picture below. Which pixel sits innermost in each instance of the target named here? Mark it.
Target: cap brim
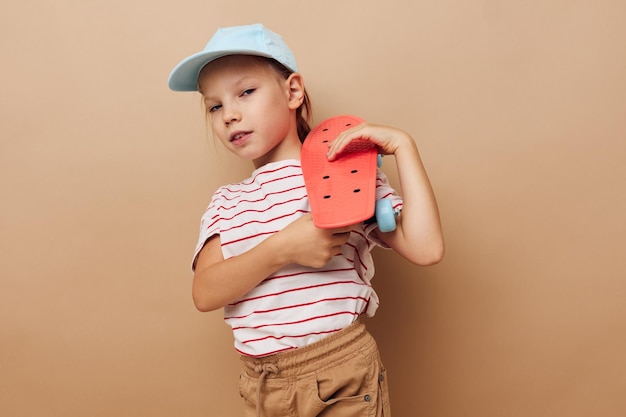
(184, 76)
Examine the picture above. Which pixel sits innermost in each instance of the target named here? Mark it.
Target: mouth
(238, 136)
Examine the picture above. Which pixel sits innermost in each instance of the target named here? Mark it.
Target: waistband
(311, 357)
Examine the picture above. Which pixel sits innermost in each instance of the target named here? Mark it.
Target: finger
(341, 230)
(336, 250)
(343, 139)
(341, 238)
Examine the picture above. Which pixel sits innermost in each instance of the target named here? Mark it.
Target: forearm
(418, 237)
(218, 282)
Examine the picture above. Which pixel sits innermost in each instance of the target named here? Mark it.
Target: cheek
(213, 122)
(215, 127)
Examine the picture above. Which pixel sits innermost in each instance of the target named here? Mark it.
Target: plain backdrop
(518, 109)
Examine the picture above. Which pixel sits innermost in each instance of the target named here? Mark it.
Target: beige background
(518, 108)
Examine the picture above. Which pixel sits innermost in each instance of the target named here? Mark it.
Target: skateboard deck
(341, 192)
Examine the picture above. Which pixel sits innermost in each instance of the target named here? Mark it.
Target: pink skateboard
(342, 192)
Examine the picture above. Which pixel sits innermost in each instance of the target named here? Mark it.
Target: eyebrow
(237, 84)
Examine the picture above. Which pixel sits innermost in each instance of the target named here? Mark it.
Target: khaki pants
(339, 376)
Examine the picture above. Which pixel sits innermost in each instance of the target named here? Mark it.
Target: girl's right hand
(218, 281)
(308, 245)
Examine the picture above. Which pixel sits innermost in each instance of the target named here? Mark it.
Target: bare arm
(418, 236)
(218, 282)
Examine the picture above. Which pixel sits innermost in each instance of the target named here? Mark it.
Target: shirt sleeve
(209, 226)
(383, 190)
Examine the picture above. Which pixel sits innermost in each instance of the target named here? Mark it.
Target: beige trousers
(339, 376)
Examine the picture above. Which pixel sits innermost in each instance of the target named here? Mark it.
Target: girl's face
(252, 109)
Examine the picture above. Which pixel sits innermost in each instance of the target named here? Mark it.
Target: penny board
(341, 192)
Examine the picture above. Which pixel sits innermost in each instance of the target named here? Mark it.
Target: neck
(289, 148)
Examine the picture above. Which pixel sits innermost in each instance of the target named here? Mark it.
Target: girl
(291, 292)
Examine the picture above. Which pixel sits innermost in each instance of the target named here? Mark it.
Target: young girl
(291, 292)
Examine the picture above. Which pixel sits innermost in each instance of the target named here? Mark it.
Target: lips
(238, 136)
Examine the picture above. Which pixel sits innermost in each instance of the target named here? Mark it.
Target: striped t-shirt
(296, 305)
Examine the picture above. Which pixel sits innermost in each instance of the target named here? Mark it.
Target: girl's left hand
(387, 139)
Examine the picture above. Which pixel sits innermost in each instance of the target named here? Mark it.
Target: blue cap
(253, 39)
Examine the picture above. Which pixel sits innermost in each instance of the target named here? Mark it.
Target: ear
(295, 85)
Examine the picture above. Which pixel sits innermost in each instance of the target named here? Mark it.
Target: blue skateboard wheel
(385, 217)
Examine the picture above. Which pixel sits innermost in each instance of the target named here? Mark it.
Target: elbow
(204, 307)
(429, 257)
(204, 297)
(204, 304)
(420, 248)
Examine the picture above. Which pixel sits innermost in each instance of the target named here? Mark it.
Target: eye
(248, 91)
(214, 108)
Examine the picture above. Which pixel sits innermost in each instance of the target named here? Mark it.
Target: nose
(231, 114)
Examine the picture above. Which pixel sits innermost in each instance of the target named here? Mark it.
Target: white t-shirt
(296, 305)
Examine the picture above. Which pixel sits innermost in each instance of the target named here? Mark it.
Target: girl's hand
(218, 282)
(305, 244)
(387, 139)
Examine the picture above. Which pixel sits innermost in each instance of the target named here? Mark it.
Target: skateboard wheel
(379, 161)
(385, 216)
